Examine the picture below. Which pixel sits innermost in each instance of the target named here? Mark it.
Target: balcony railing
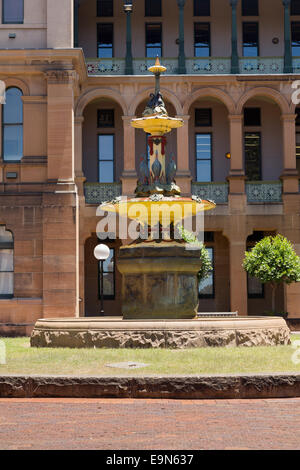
(296, 64)
(264, 191)
(96, 193)
(257, 192)
(194, 65)
(261, 65)
(208, 65)
(217, 192)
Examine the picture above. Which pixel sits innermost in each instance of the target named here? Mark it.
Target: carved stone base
(178, 334)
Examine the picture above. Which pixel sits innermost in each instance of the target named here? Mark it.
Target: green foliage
(273, 260)
(206, 266)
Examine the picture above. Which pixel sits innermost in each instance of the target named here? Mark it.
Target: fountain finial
(157, 70)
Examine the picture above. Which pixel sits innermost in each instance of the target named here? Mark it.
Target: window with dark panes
(201, 7)
(295, 28)
(250, 39)
(295, 7)
(202, 40)
(105, 40)
(105, 8)
(12, 125)
(106, 158)
(203, 117)
(153, 8)
(109, 280)
(252, 117)
(13, 11)
(297, 121)
(253, 156)
(206, 286)
(250, 8)
(203, 157)
(6, 263)
(153, 39)
(106, 118)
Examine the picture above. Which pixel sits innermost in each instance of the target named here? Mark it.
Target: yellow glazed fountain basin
(157, 125)
(164, 211)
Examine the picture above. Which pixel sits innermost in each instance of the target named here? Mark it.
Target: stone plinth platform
(113, 332)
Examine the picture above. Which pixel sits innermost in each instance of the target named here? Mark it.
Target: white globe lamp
(101, 252)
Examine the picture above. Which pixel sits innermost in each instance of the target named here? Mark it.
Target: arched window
(13, 125)
(6, 263)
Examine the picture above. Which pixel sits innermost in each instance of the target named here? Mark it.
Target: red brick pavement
(149, 424)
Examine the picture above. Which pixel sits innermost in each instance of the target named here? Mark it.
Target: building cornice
(14, 61)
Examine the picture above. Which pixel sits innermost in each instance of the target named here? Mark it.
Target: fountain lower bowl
(114, 332)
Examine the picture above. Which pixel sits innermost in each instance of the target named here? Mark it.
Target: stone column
(290, 173)
(183, 175)
(78, 121)
(237, 174)
(60, 201)
(128, 60)
(129, 175)
(288, 66)
(181, 54)
(60, 113)
(234, 47)
(79, 175)
(238, 276)
(292, 291)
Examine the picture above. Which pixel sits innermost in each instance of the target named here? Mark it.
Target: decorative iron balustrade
(208, 65)
(261, 65)
(264, 191)
(194, 65)
(217, 192)
(296, 64)
(96, 193)
(140, 66)
(105, 66)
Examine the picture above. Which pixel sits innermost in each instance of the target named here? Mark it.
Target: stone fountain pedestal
(114, 332)
(159, 281)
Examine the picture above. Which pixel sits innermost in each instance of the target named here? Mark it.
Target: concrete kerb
(246, 386)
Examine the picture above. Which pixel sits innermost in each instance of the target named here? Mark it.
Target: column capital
(288, 117)
(185, 117)
(233, 3)
(127, 120)
(235, 117)
(78, 119)
(286, 3)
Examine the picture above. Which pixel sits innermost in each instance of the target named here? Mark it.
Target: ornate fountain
(159, 275)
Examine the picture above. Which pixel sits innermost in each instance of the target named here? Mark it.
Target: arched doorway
(112, 279)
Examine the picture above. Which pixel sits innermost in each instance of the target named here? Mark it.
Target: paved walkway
(149, 424)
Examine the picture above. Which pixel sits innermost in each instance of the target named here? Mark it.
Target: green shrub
(206, 266)
(273, 261)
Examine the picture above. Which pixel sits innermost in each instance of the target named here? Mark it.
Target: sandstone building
(75, 74)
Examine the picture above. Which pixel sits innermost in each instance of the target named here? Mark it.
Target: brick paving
(113, 424)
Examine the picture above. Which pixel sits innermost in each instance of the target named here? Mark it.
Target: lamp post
(234, 44)
(101, 253)
(181, 55)
(128, 7)
(288, 64)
